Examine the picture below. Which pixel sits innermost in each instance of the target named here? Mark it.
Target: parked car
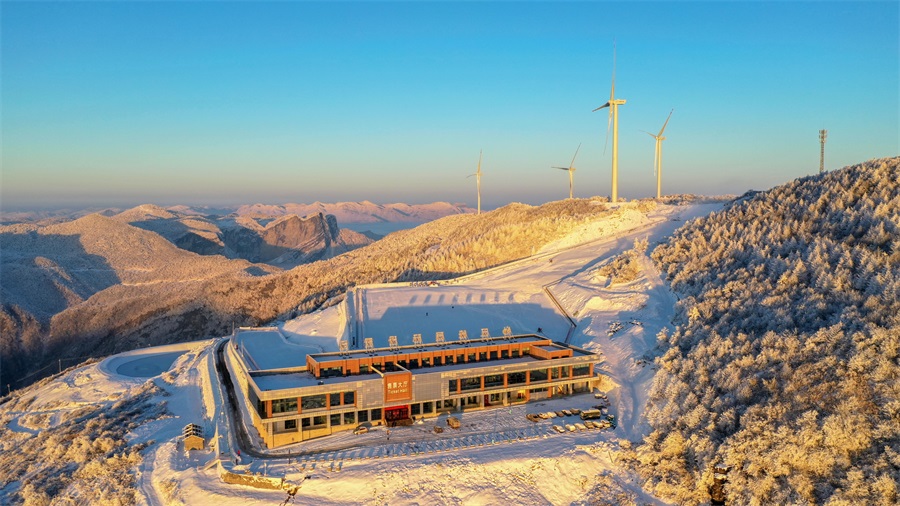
(570, 427)
(560, 414)
(362, 429)
(559, 429)
(575, 411)
(590, 414)
(551, 414)
(580, 426)
(567, 412)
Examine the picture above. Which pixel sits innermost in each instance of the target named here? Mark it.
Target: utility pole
(823, 134)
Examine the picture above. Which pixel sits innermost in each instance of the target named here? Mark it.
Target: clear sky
(215, 103)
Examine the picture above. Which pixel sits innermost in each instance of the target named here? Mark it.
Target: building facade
(338, 391)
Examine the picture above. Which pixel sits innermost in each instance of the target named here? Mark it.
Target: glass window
(284, 405)
(290, 425)
(493, 355)
(261, 408)
(581, 370)
(428, 407)
(539, 375)
(335, 419)
(452, 388)
(496, 397)
(376, 414)
(439, 360)
(460, 359)
(515, 353)
(471, 357)
(554, 373)
(330, 372)
(335, 399)
(363, 416)
(482, 356)
(471, 383)
(319, 420)
(349, 418)
(426, 362)
(564, 371)
(493, 380)
(414, 363)
(504, 353)
(515, 378)
(448, 403)
(349, 398)
(364, 369)
(306, 422)
(416, 409)
(313, 402)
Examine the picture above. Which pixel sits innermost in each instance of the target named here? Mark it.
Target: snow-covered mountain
(359, 212)
(97, 431)
(285, 242)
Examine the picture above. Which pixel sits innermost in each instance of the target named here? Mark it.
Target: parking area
(487, 427)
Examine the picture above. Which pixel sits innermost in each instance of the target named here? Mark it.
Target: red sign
(397, 386)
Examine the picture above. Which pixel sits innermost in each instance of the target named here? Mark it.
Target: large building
(295, 396)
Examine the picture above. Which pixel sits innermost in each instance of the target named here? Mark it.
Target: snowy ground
(497, 456)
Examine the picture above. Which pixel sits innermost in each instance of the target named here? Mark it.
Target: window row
(517, 378)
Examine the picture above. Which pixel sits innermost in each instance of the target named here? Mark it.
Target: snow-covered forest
(785, 361)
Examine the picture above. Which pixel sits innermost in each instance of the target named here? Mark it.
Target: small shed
(192, 435)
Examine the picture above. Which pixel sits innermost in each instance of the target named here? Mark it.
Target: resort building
(294, 396)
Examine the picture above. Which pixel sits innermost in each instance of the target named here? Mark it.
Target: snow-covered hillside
(785, 365)
(498, 457)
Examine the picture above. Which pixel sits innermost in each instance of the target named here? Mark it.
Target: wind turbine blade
(572, 165)
(601, 107)
(608, 126)
(479, 160)
(560, 168)
(661, 130)
(648, 133)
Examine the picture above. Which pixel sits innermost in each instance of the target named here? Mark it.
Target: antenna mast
(823, 135)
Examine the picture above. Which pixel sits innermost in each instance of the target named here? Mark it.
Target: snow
(497, 456)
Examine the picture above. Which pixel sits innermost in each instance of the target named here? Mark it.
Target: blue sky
(216, 103)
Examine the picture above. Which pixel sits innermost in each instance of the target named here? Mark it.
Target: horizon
(221, 104)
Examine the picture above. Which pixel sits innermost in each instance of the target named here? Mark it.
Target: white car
(559, 429)
(551, 414)
(570, 427)
(580, 426)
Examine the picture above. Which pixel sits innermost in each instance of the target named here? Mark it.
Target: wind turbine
(571, 169)
(478, 180)
(657, 156)
(613, 105)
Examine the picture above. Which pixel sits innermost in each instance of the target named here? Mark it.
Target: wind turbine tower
(477, 175)
(657, 156)
(823, 134)
(613, 105)
(571, 169)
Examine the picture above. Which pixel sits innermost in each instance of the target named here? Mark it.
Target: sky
(115, 104)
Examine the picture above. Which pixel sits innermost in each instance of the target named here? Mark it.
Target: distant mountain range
(286, 241)
(344, 212)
